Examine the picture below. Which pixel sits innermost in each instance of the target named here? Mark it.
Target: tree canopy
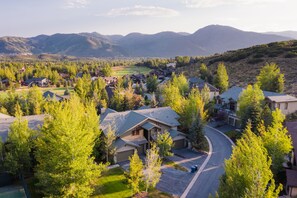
(221, 80)
(64, 147)
(271, 79)
(247, 172)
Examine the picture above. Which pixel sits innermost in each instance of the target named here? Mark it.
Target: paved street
(208, 182)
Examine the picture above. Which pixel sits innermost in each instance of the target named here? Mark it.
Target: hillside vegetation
(244, 65)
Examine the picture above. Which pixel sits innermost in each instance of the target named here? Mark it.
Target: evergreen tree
(196, 135)
(247, 172)
(65, 167)
(152, 84)
(164, 143)
(18, 146)
(222, 79)
(271, 79)
(152, 173)
(276, 140)
(109, 140)
(266, 116)
(135, 174)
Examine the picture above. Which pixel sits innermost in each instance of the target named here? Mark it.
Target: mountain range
(206, 41)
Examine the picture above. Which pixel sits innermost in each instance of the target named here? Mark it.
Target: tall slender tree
(164, 143)
(135, 174)
(221, 79)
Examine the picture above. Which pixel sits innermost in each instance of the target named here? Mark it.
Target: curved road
(208, 182)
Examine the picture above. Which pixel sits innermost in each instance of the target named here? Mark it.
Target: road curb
(185, 193)
(222, 134)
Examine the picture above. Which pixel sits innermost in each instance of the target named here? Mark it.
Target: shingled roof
(123, 121)
(34, 122)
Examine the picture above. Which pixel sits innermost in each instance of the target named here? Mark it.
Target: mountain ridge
(205, 41)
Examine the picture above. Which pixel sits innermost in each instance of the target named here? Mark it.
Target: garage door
(179, 144)
(124, 156)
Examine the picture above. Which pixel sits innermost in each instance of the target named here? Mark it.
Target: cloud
(76, 3)
(215, 3)
(138, 10)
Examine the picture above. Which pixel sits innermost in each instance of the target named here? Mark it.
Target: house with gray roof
(34, 122)
(227, 102)
(136, 129)
(198, 83)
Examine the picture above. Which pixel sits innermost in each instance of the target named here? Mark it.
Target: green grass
(56, 90)
(175, 165)
(113, 184)
(129, 70)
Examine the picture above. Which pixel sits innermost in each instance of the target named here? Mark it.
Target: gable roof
(233, 93)
(124, 121)
(34, 122)
(105, 111)
(52, 95)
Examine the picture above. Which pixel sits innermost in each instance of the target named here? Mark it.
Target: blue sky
(33, 17)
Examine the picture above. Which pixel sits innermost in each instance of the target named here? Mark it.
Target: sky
(29, 18)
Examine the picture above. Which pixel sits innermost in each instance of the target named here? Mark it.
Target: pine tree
(18, 146)
(164, 143)
(222, 79)
(247, 172)
(196, 135)
(152, 173)
(135, 174)
(65, 167)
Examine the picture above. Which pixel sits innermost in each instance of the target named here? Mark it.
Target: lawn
(24, 90)
(113, 184)
(124, 70)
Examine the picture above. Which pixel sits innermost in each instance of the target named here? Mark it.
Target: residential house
(286, 103)
(291, 185)
(34, 122)
(40, 82)
(173, 65)
(110, 81)
(136, 129)
(198, 83)
(227, 103)
(48, 95)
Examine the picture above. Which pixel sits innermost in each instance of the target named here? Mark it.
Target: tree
(18, 146)
(65, 167)
(276, 140)
(247, 172)
(135, 174)
(181, 83)
(172, 97)
(250, 105)
(109, 140)
(152, 83)
(35, 100)
(196, 135)
(152, 173)
(205, 94)
(107, 70)
(271, 79)
(205, 73)
(164, 143)
(221, 79)
(266, 116)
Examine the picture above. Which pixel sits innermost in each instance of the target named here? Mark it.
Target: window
(286, 105)
(134, 133)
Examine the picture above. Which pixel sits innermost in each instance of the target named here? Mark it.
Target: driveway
(175, 181)
(208, 182)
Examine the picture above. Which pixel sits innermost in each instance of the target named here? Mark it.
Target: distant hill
(245, 64)
(291, 34)
(206, 41)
